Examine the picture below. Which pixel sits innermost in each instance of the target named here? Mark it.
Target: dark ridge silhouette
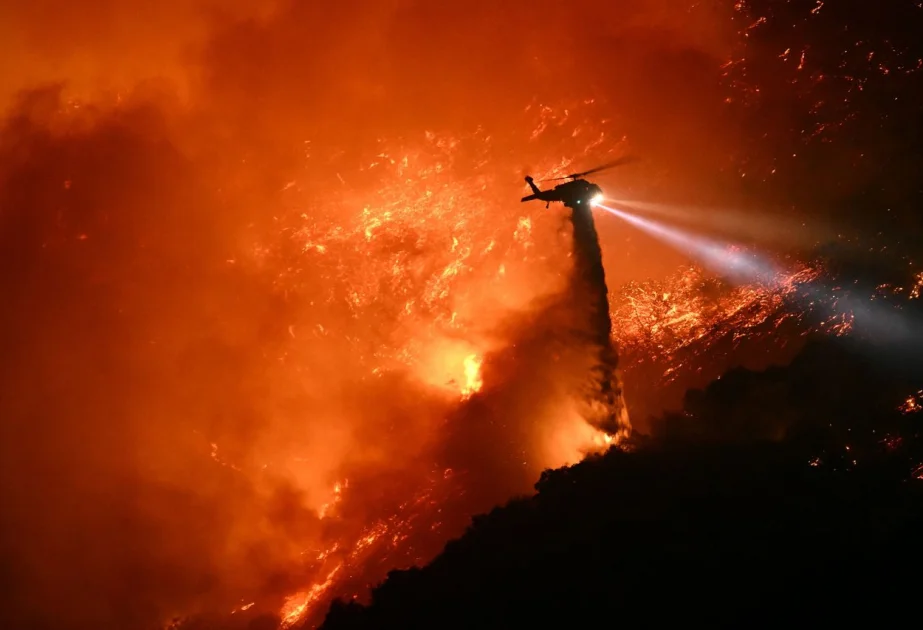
(714, 523)
(590, 290)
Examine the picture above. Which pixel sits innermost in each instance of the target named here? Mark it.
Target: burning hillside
(689, 328)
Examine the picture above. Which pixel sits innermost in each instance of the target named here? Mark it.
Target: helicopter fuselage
(575, 194)
(578, 193)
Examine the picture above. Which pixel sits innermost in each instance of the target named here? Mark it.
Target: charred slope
(716, 526)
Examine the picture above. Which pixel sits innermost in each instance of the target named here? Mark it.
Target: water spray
(589, 281)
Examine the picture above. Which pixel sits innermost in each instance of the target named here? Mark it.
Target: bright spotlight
(597, 199)
(719, 256)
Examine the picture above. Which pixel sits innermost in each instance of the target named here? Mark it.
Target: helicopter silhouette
(577, 193)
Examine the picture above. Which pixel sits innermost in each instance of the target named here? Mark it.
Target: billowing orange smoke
(274, 320)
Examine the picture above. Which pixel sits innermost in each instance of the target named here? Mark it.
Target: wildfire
(384, 263)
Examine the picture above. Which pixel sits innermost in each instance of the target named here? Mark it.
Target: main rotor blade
(626, 159)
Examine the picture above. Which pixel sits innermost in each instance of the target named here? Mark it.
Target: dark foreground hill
(713, 526)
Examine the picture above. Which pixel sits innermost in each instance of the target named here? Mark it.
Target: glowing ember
(913, 404)
(319, 280)
(917, 286)
(244, 608)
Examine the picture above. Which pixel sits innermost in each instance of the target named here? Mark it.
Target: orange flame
(298, 605)
(473, 381)
(913, 404)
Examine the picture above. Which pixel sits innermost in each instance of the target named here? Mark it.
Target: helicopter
(576, 193)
